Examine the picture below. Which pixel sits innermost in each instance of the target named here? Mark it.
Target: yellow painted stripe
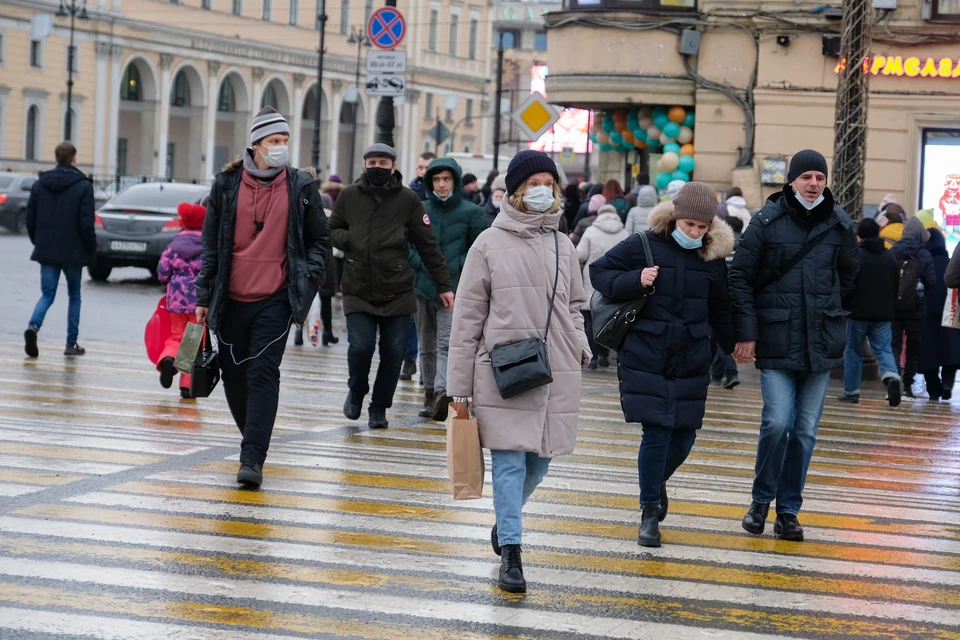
(42, 477)
(585, 499)
(76, 453)
(389, 583)
(880, 590)
(574, 527)
(132, 605)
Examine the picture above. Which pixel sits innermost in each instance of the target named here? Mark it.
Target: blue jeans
(412, 346)
(362, 337)
(880, 337)
(49, 280)
(515, 475)
(792, 406)
(662, 451)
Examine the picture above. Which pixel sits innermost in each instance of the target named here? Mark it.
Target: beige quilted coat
(504, 295)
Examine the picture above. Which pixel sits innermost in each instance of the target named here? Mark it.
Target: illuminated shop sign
(911, 67)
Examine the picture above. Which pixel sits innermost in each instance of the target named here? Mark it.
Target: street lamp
(75, 9)
(358, 37)
(315, 152)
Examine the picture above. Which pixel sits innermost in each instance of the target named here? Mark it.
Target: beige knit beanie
(696, 201)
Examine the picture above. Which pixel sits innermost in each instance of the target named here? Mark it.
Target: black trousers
(940, 380)
(913, 328)
(362, 331)
(253, 336)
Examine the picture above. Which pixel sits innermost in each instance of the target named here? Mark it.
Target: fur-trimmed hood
(328, 186)
(717, 242)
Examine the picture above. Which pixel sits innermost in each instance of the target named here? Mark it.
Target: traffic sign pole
(385, 119)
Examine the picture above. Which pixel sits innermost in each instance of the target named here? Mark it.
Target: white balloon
(645, 122)
(669, 161)
(664, 139)
(685, 135)
(603, 137)
(653, 133)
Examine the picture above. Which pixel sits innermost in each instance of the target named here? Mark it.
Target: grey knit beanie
(696, 201)
(266, 123)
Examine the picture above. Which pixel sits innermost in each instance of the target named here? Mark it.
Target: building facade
(168, 89)
(761, 81)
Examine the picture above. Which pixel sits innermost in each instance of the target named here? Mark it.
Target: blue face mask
(443, 198)
(685, 241)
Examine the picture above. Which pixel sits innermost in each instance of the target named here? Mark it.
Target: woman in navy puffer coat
(664, 364)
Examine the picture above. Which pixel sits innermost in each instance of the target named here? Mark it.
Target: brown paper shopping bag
(464, 455)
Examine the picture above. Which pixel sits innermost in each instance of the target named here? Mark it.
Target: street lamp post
(315, 151)
(74, 9)
(385, 119)
(496, 106)
(358, 37)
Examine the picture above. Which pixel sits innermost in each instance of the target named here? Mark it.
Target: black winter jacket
(874, 295)
(308, 241)
(911, 245)
(664, 365)
(940, 346)
(798, 321)
(60, 215)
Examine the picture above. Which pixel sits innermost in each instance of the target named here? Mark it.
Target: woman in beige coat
(503, 297)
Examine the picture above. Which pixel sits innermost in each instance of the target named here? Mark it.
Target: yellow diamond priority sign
(535, 116)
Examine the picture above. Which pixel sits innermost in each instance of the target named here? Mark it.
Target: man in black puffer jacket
(792, 325)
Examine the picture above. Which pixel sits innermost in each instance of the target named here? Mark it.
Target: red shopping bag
(156, 332)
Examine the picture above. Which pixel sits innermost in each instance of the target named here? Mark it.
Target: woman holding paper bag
(504, 297)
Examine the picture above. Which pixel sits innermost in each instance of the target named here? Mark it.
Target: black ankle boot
(756, 518)
(329, 338)
(166, 373)
(649, 534)
(787, 527)
(664, 503)
(511, 570)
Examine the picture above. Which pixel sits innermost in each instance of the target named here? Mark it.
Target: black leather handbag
(612, 319)
(523, 365)
(206, 369)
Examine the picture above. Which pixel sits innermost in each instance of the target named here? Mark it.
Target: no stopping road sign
(386, 28)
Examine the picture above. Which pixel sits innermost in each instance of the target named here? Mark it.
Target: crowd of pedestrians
(445, 272)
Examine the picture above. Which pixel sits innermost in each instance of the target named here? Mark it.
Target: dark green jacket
(308, 240)
(374, 227)
(456, 224)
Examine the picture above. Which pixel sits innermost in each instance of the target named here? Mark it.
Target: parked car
(136, 225)
(14, 193)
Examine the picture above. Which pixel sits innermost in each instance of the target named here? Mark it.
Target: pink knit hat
(596, 202)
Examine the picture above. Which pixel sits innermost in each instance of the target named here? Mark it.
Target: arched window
(33, 115)
(180, 94)
(269, 97)
(130, 84)
(348, 113)
(309, 106)
(227, 102)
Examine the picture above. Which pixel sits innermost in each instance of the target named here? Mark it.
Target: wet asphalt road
(119, 516)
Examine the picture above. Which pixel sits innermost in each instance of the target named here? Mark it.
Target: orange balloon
(628, 136)
(677, 114)
(686, 150)
(641, 144)
(620, 115)
(621, 127)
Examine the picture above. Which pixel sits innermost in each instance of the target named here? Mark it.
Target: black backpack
(909, 276)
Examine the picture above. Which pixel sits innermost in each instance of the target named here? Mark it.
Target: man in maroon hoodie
(265, 241)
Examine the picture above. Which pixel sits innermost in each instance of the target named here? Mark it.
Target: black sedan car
(137, 224)
(14, 193)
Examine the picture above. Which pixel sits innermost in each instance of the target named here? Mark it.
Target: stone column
(104, 80)
(257, 90)
(162, 117)
(210, 122)
(296, 126)
(336, 100)
(411, 130)
(110, 162)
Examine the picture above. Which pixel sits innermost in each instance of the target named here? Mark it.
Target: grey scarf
(263, 175)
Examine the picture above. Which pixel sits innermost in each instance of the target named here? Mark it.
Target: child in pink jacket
(179, 266)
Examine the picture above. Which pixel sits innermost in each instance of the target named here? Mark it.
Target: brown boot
(429, 397)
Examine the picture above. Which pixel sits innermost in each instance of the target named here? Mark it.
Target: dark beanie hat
(469, 178)
(806, 160)
(527, 163)
(696, 201)
(868, 228)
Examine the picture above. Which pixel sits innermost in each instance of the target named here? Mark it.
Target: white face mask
(496, 203)
(806, 204)
(538, 199)
(276, 156)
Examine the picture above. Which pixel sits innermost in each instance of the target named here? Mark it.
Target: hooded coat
(952, 277)
(374, 227)
(331, 189)
(504, 296)
(637, 218)
(664, 364)
(735, 207)
(940, 346)
(456, 223)
(798, 321)
(60, 216)
(912, 244)
(892, 233)
(605, 233)
(874, 296)
(178, 269)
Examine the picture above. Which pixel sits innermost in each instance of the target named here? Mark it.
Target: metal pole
(496, 106)
(69, 124)
(385, 119)
(586, 152)
(315, 151)
(356, 108)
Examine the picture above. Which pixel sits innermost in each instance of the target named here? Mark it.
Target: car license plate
(117, 245)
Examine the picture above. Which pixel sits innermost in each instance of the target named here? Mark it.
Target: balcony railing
(454, 63)
(630, 5)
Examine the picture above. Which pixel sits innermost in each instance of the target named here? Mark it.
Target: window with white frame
(474, 34)
(32, 133)
(453, 41)
(294, 12)
(428, 107)
(267, 10)
(344, 17)
(36, 54)
(469, 114)
(238, 7)
(3, 52)
(432, 30)
(206, 4)
(367, 12)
